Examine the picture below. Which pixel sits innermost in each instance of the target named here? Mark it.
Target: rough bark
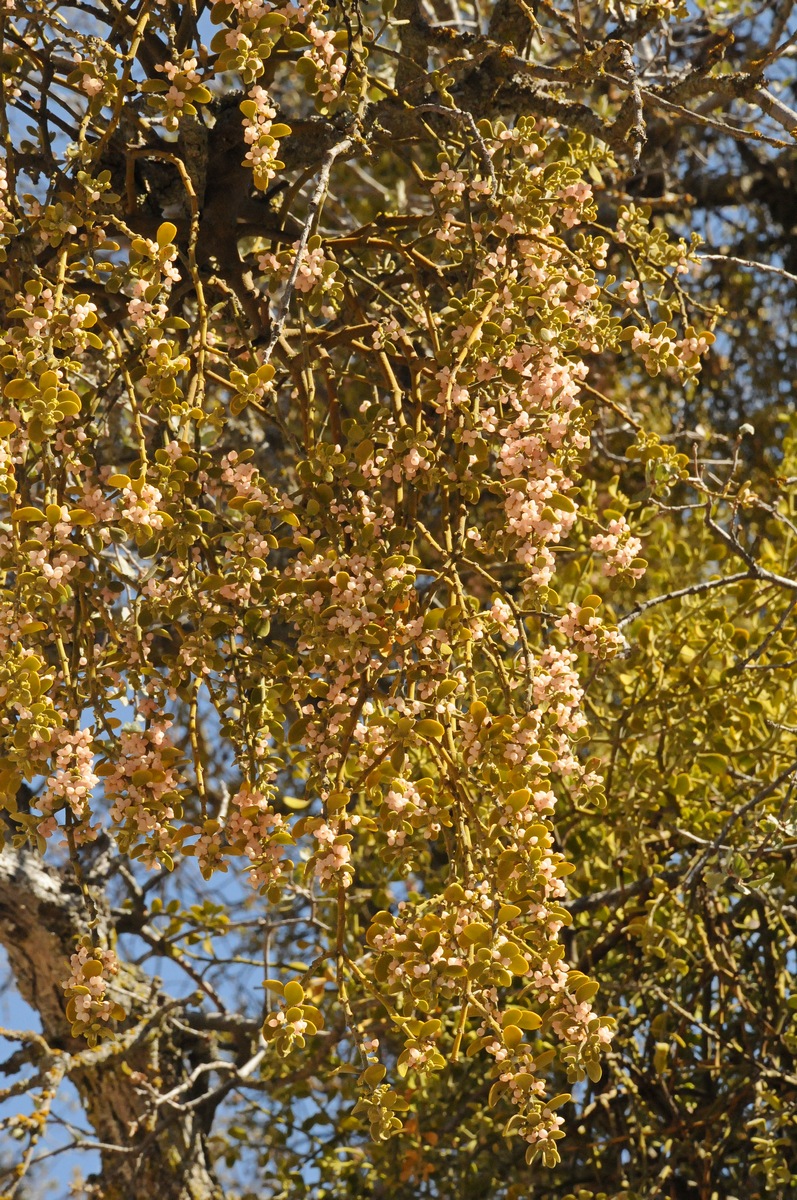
(160, 1153)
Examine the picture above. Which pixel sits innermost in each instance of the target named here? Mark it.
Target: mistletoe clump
(311, 543)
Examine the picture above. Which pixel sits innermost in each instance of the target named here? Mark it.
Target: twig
(759, 650)
(690, 878)
(621, 412)
(467, 119)
(744, 262)
(776, 109)
(694, 589)
(755, 570)
(313, 208)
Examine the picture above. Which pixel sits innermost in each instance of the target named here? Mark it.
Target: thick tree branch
(42, 913)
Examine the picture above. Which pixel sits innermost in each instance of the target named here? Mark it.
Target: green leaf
(166, 234)
(429, 728)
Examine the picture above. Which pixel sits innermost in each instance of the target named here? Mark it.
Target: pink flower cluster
(263, 152)
(86, 987)
(589, 633)
(334, 854)
(154, 272)
(329, 62)
(620, 547)
(251, 828)
(54, 555)
(311, 274)
(408, 812)
(142, 784)
(140, 505)
(69, 784)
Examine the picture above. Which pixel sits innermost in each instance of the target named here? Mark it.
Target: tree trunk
(148, 1150)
